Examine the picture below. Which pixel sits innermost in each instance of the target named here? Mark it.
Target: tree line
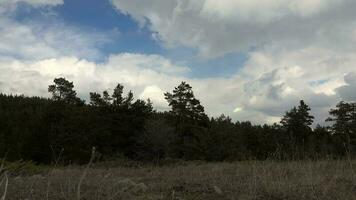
(42, 129)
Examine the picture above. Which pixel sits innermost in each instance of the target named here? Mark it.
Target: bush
(24, 168)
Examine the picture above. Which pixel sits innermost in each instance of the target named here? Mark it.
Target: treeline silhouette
(41, 130)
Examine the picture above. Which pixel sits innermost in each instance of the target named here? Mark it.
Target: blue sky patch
(127, 35)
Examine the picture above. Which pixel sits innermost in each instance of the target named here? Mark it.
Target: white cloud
(156, 95)
(41, 39)
(153, 62)
(219, 27)
(9, 6)
(33, 77)
(297, 49)
(32, 2)
(238, 109)
(18, 40)
(35, 40)
(260, 96)
(277, 80)
(264, 11)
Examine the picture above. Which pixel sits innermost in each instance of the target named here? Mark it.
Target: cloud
(153, 62)
(33, 77)
(216, 28)
(296, 50)
(155, 94)
(9, 6)
(274, 81)
(18, 40)
(348, 92)
(264, 11)
(32, 2)
(36, 40)
(40, 39)
(257, 93)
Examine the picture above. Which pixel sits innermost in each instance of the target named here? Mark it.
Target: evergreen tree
(62, 90)
(96, 99)
(128, 99)
(190, 121)
(297, 123)
(344, 118)
(117, 95)
(184, 104)
(106, 98)
(39, 129)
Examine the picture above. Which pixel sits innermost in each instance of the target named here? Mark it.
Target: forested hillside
(41, 130)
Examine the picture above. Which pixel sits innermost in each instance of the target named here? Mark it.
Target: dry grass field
(250, 180)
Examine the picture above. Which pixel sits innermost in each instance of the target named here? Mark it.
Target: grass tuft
(250, 180)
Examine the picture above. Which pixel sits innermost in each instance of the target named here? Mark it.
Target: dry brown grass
(252, 180)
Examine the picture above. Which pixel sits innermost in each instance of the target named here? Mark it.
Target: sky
(249, 59)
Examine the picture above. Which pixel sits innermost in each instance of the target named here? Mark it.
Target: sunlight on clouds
(156, 95)
(238, 109)
(329, 86)
(64, 67)
(288, 91)
(273, 119)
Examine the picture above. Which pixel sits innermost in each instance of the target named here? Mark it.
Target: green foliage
(62, 90)
(117, 95)
(344, 118)
(184, 104)
(157, 139)
(298, 118)
(44, 129)
(189, 120)
(24, 168)
(64, 129)
(297, 123)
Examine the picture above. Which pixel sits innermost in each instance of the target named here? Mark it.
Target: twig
(85, 173)
(348, 155)
(51, 172)
(6, 185)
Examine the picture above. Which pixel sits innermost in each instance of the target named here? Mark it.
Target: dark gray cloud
(348, 91)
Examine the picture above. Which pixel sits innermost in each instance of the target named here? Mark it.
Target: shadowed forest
(119, 127)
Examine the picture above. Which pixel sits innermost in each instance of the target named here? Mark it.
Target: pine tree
(190, 121)
(184, 104)
(96, 100)
(344, 118)
(117, 95)
(62, 90)
(297, 123)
